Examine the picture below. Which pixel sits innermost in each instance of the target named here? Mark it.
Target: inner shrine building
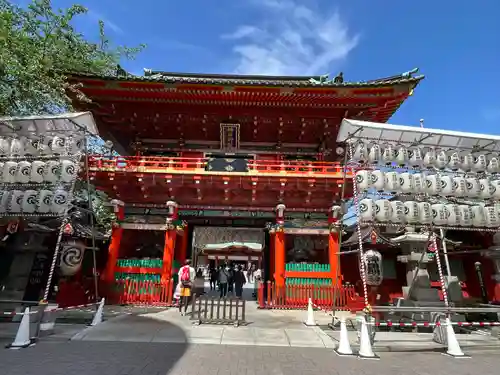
(229, 168)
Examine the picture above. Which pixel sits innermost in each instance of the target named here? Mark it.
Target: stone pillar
(114, 244)
(169, 247)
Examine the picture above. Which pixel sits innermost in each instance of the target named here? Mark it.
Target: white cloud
(291, 39)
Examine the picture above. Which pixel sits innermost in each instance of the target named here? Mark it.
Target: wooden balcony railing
(179, 165)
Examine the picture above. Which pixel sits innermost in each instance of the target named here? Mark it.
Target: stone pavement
(105, 358)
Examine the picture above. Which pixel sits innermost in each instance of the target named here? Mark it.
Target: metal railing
(211, 310)
(150, 164)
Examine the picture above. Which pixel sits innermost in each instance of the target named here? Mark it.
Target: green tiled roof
(257, 80)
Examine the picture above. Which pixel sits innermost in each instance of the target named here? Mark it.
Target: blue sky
(456, 44)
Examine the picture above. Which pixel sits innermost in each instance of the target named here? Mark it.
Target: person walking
(224, 276)
(239, 281)
(213, 278)
(187, 275)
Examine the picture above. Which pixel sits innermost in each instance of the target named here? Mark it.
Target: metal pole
(445, 252)
(89, 197)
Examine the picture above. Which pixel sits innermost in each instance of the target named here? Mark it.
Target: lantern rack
(353, 132)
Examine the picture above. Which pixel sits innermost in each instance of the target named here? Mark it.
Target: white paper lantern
(460, 186)
(378, 180)
(430, 158)
(15, 201)
(401, 156)
(454, 162)
(454, 214)
(388, 154)
(58, 145)
(412, 214)
(425, 212)
(383, 210)
(44, 201)
(480, 163)
(432, 184)
(486, 189)
(29, 202)
(447, 186)
(16, 147)
(473, 187)
(37, 171)
(493, 165)
(496, 187)
(491, 217)
(374, 154)
(465, 215)
(52, 171)
(23, 172)
(4, 147)
(30, 147)
(467, 163)
(441, 160)
(418, 183)
(360, 153)
(2, 164)
(439, 214)
(59, 201)
(363, 180)
(478, 216)
(392, 182)
(397, 212)
(374, 267)
(71, 257)
(76, 144)
(366, 210)
(69, 170)
(406, 183)
(415, 158)
(9, 172)
(45, 145)
(4, 200)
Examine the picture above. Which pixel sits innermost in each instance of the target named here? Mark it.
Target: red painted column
(279, 258)
(271, 259)
(168, 254)
(184, 246)
(116, 237)
(333, 255)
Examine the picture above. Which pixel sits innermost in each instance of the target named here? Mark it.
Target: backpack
(185, 276)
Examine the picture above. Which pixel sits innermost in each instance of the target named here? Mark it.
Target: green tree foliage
(38, 45)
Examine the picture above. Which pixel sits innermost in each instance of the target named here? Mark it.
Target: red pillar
(184, 246)
(168, 254)
(271, 259)
(114, 245)
(279, 258)
(333, 255)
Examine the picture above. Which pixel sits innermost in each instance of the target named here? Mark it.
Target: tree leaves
(38, 46)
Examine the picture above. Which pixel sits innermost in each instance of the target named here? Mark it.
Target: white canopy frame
(352, 130)
(76, 122)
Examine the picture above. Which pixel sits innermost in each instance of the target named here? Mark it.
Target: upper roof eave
(249, 80)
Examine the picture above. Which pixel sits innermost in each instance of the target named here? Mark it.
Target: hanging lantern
(172, 208)
(480, 163)
(23, 172)
(280, 214)
(454, 162)
(37, 171)
(71, 257)
(401, 156)
(383, 210)
(373, 267)
(360, 153)
(374, 154)
(363, 180)
(59, 201)
(29, 201)
(68, 171)
(388, 154)
(415, 158)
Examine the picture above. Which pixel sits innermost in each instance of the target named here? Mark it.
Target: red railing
(149, 164)
(133, 292)
(297, 297)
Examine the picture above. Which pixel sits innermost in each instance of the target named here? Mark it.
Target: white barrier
(310, 321)
(23, 339)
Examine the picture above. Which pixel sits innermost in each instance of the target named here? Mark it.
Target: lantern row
(442, 214)
(40, 145)
(38, 172)
(34, 202)
(430, 158)
(431, 184)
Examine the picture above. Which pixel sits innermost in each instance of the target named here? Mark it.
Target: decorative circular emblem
(72, 256)
(434, 213)
(377, 208)
(47, 199)
(443, 184)
(455, 184)
(469, 185)
(482, 187)
(19, 199)
(60, 199)
(31, 199)
(374, 178)
(39, 170)
(428, 183)
(59, 142)
(363, 207)
(12, 170)
(25, 171)
(359, 179)
(407, 210)
(70, 169)
(401, 181)
(54, 169)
